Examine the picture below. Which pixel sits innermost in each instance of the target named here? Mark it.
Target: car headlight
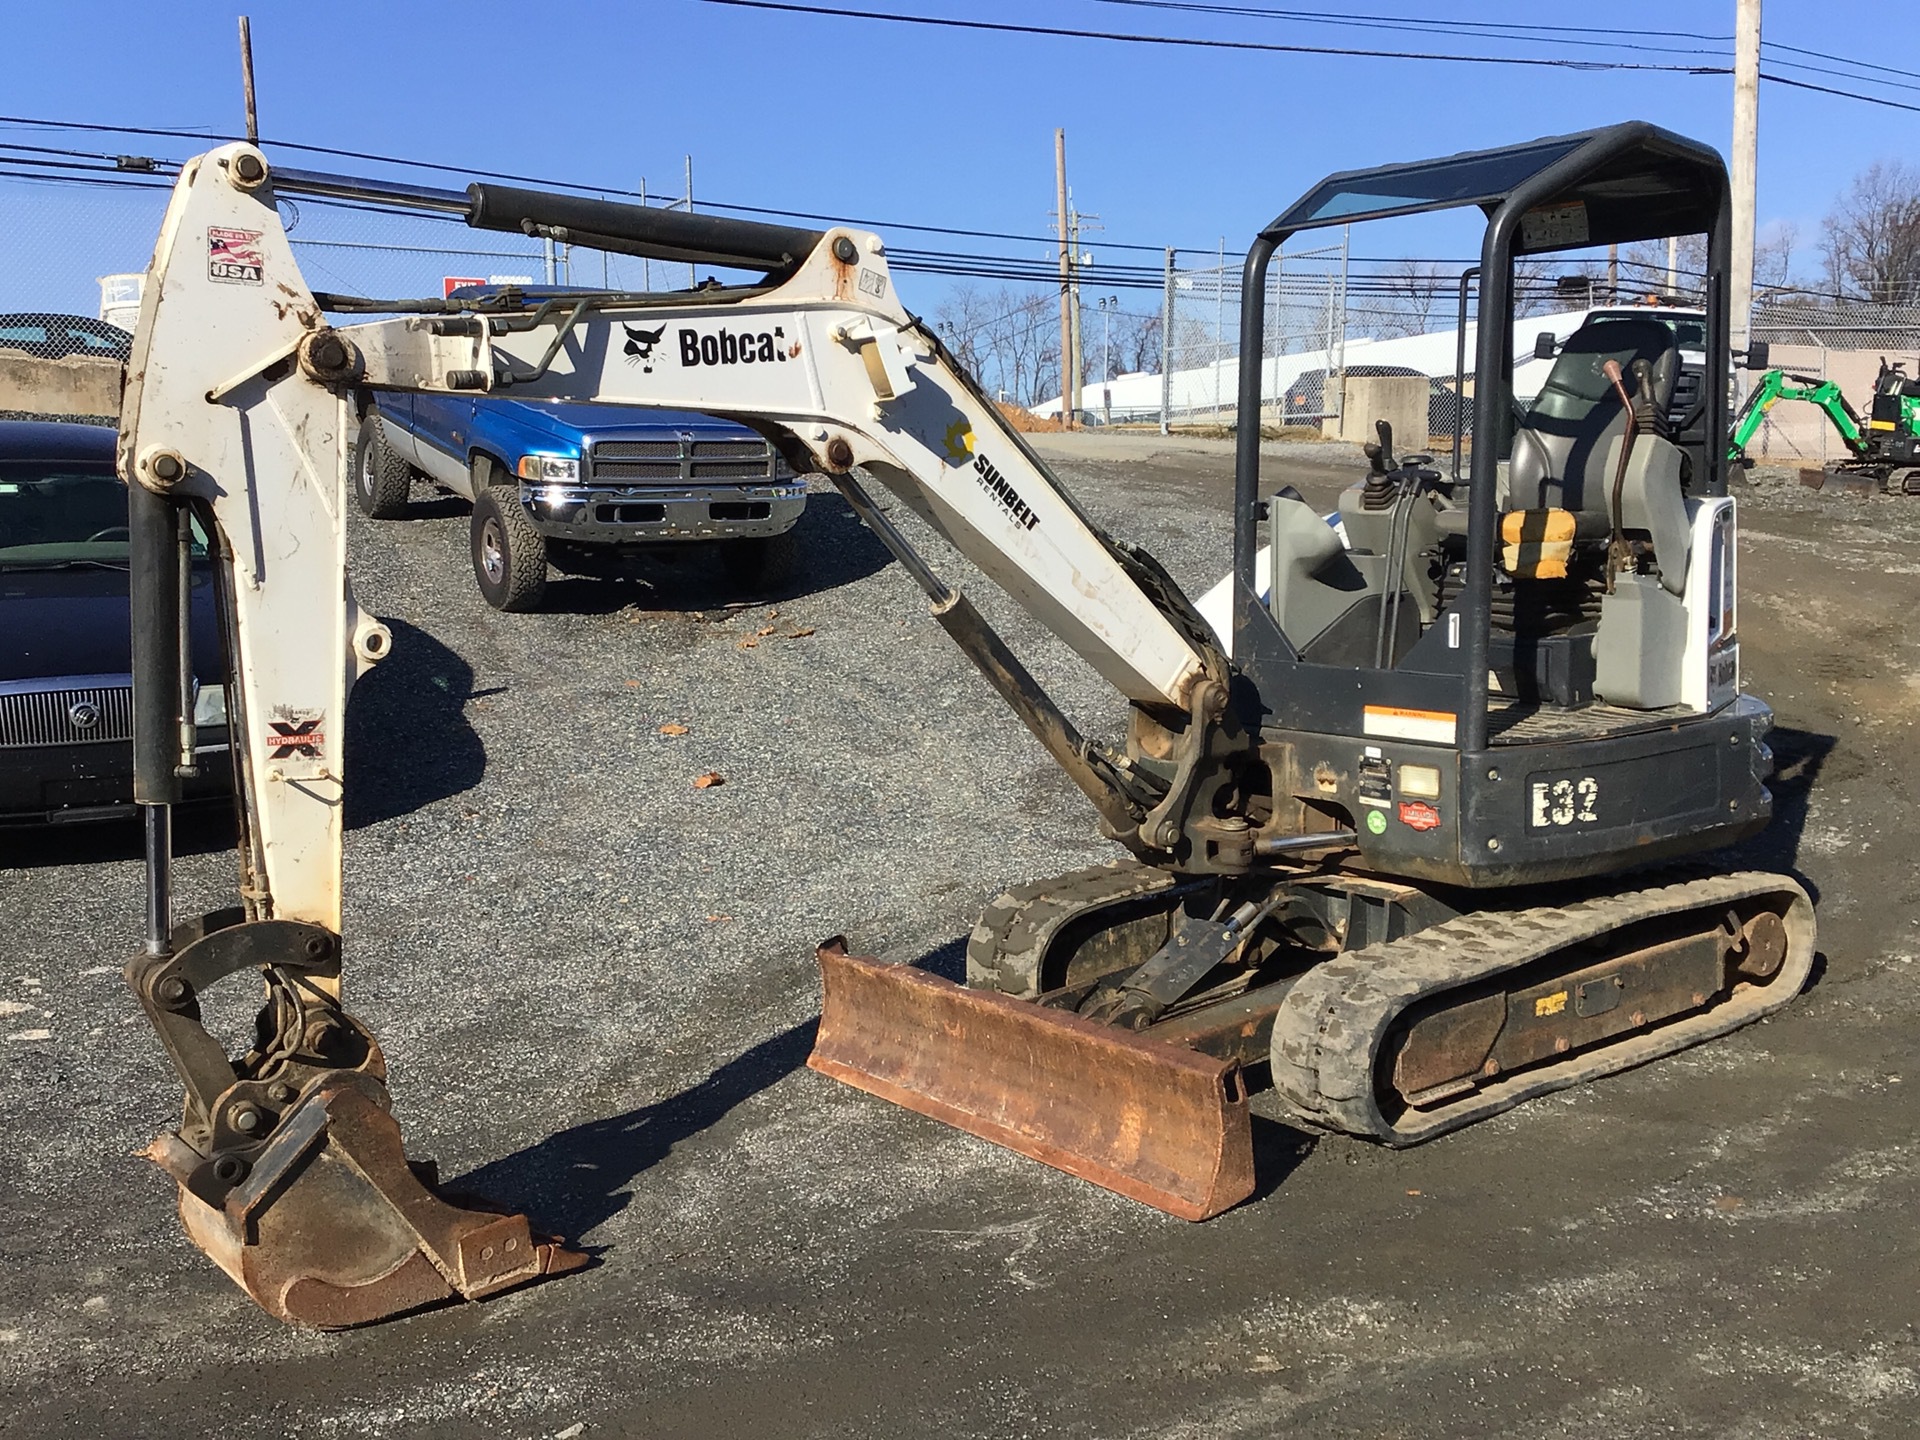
(210, 705)
(562, 468)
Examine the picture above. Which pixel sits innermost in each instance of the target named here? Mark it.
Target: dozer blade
(332, 1227)
(1155, 1122)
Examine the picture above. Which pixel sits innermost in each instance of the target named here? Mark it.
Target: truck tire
(382, 481)
(509, 555)
(762, 561)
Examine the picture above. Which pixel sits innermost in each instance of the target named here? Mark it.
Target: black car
(55, 337)
(66, 687)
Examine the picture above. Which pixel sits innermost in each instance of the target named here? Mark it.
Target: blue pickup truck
(576, 485)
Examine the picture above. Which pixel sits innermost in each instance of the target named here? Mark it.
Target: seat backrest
(1560, 449)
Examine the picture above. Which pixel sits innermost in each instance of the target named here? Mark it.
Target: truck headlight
(539, 468)
(210, 705)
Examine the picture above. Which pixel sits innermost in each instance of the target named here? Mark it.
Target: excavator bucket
(333, 1227)
(1156, 1122)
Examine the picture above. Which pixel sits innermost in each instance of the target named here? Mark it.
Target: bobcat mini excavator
(1386, 834)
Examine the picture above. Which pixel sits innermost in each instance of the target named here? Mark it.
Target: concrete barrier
(1400, 400)
(74, 385)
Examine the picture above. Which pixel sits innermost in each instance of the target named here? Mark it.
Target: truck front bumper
(637, 515)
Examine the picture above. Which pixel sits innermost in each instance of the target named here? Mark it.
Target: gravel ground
(594, 984)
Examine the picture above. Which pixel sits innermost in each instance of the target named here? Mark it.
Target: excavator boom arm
(240, 402)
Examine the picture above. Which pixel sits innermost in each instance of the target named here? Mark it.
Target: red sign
(451, 283)
(1419, 815)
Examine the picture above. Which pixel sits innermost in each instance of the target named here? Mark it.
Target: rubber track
(1008, 946)
(1331, 1027)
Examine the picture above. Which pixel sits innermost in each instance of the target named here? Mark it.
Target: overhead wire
(1199, 42)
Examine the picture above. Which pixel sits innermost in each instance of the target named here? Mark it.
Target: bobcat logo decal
(639, 346)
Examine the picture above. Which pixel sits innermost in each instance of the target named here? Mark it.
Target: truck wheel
(382, 481)
(509, 555)
(761, 561)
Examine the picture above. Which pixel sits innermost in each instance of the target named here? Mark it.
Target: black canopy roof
(1625, 182)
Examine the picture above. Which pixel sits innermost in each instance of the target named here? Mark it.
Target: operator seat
(1562, 449)
(1566, 453)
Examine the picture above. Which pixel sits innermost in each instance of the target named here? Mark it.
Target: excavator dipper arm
(290, 1170)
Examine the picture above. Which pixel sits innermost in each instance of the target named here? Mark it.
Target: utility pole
(1081, 260)
(692, 279)
(1746, 160)
(1066, 279)
(246, 80)
(1613, 274)
(646, 265)
(1108, 304)
(1673, 266)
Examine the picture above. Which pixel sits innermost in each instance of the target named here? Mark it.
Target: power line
(1843, 94)
(1487, 29)
(1195, 42)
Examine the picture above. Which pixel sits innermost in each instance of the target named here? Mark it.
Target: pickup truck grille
(668, 462)
(55, 717)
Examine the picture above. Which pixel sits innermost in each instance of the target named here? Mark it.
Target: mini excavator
(1407, 834)
(1884, 447)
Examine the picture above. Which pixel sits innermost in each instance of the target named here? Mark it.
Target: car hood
(571, 422)
(79, 622)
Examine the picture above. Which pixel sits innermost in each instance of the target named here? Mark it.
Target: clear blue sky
(895, 122)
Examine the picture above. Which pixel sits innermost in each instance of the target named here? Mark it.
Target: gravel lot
(595, 987)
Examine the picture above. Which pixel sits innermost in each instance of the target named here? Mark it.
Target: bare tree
(1410, 291)
(1872, 242)
(1007, 337)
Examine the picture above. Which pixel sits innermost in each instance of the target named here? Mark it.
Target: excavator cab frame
(1624, 183)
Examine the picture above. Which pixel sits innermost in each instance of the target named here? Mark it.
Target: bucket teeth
(1156, 1122)
(331, 1226)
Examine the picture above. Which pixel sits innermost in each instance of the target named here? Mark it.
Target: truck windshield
(55, 514)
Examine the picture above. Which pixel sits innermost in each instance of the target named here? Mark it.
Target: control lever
(1619, 553)
(1380, 456)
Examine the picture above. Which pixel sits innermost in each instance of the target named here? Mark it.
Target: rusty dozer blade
(333, 1227)
(1156, 1122)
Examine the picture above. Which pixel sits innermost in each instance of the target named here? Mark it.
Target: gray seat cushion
(1560, 450)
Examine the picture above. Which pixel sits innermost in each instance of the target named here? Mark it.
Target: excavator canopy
(1626, 182)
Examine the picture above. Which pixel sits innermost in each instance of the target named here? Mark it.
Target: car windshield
(53, 337)
(59, 513)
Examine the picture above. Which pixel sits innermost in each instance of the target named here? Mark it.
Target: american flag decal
(233, 256)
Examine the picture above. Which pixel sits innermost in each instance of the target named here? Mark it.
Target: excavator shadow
(1798, 758)
(408, 740)
(578, 1178)
(830, 548)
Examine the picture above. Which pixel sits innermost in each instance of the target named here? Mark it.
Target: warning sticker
(233, 256)
(1436, 727)
(873, 282)
(1552, 227)
(1419, 815)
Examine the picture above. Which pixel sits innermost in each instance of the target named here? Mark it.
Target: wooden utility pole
(1746, 164)
(1066, 279)
(1613, 274)
(246, 79)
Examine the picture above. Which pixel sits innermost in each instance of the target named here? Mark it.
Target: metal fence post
(1219, 323)
(1166, 348)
